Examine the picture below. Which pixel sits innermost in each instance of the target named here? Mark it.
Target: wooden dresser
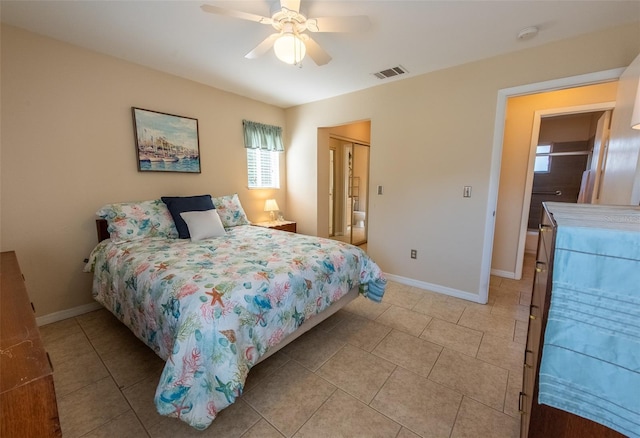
(27, 398)
(541, 420)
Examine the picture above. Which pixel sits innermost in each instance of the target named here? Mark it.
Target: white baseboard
(68, 313)
(504, 274)
(435, 288)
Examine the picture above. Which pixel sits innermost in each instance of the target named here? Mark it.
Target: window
(263, 168)
(543, 159)
(263, 144)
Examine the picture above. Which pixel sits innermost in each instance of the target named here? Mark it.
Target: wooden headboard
(101, 227)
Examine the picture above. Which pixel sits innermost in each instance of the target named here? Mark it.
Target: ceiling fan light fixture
(289, 48)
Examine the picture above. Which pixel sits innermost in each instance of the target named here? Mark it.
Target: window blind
(263, 169)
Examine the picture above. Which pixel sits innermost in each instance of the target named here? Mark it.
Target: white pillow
(203, 224)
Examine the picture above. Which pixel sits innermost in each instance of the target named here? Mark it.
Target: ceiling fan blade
(291, 5)
(355, 23)
(315, 52)
(236, 14)
(263, 47)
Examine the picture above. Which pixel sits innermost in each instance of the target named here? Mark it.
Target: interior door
(593, 179)
(332, 184)
(348, 199)
(360, 194)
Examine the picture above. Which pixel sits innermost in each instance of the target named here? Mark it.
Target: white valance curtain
(264, 137)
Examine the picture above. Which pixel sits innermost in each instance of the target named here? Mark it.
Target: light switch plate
(466, 192)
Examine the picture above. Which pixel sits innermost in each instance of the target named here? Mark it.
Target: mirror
(348, 191)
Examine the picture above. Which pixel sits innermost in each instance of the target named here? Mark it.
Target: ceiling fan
(291, 43)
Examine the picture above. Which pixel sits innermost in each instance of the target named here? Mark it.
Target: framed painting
(166, 142)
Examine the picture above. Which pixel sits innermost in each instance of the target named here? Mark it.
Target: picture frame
(166, 142)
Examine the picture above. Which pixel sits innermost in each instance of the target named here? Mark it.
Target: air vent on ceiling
(390, 72)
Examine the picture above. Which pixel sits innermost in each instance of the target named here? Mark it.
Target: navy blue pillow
(180, 204)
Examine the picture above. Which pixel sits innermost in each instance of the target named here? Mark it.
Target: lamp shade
(271, 205)
(635, 116)
(289, 48)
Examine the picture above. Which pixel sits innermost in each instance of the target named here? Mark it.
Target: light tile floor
(359, 235)
(419, 364)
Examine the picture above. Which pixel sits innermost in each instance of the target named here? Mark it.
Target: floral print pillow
(138, 220)
(230, 211)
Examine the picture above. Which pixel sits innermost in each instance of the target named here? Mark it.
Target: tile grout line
(319, 407)
(455, 420)
(385, 415)
(114, 382)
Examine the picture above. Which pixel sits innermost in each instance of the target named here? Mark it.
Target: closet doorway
(348, 190)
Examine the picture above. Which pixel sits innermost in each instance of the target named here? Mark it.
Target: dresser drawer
(27, 397)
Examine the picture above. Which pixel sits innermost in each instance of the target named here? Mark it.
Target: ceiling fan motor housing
(288, 21)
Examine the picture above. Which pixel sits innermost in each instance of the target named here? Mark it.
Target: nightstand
(278, 225)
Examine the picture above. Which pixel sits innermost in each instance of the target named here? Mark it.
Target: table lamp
(271, 206)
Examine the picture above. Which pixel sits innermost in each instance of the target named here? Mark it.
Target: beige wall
(431, 135)
(515, 161)
(580, 127)
(68, 148)
(621, 181)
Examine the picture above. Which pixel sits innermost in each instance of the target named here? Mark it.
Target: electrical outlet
(414, 254)
(466, 193)
(380, 190)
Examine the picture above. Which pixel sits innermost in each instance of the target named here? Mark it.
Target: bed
(212, 308)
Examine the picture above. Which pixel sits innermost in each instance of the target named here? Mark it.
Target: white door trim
(496, 154)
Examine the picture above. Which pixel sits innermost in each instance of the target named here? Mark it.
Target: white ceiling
(178, 38)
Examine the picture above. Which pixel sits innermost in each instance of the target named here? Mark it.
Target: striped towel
(374, 290)
(591, 354)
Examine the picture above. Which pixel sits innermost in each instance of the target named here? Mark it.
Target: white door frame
(528, 186)
(496, 154)
(332, 188)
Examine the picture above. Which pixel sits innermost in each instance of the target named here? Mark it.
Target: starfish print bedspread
(210, 309)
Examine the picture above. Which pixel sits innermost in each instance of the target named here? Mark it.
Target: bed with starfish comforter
(211, 309)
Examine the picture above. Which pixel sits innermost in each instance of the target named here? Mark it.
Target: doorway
(502, 226)
(348, 191)
(567, 152)
(567, 146)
